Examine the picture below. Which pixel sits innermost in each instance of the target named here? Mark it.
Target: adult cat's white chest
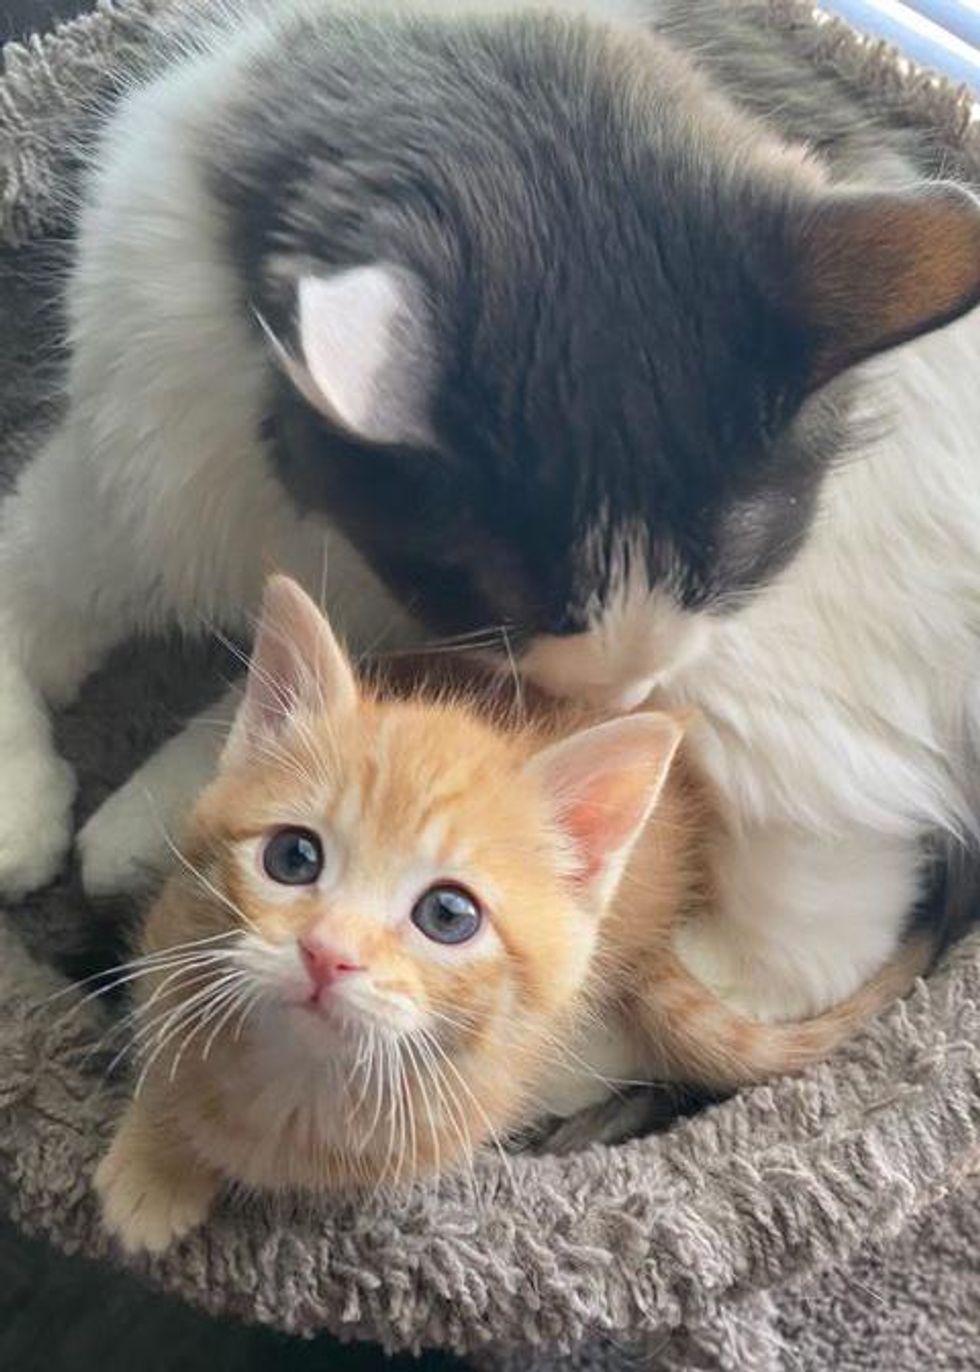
(840, 710)
(841, 696)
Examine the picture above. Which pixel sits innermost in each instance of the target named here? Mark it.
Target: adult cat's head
(565, 339)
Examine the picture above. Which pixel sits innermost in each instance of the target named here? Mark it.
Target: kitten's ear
(603, 784)
(878, 268)
(296, 665)
(365, 353)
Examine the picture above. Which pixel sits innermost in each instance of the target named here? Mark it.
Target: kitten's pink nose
(324, 963)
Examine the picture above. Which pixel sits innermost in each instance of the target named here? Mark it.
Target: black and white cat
(553, 338)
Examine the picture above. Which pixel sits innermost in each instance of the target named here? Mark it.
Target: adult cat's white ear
(365, 353)
(297, 666)
(878, 268)
(603, 785)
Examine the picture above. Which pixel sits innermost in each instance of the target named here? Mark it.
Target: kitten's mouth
(339, 1015)
(329, 1008)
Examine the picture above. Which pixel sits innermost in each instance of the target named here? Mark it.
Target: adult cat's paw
(37, 789)
(147, 1205)
(121, 848)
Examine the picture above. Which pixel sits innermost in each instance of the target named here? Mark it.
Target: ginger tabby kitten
(399, 921)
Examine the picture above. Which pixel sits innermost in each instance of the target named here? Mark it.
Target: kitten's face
(397, 883)
(581, 392)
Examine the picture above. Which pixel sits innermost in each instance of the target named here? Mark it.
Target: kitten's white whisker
(209, 886)
(410, 1108)
(143, 960)
(420, 1072)
(173, 1022)
(449, 1101)
(205, 965)
(365, 1066)
(390, 1093)
(241, 998)
(193, 1013)
(491, 1131)
(136, 1036)
(113, 985)
(233, 995)
(378, 1076)
(402, 1123)
(250, 1005)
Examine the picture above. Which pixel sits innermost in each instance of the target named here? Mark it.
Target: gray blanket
(822, 1222)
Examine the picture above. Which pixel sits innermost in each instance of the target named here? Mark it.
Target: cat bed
(715, 1244)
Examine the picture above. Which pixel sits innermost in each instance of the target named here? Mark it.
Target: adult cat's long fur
(545, 325)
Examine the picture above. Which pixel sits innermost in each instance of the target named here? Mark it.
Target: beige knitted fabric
(741, 1239)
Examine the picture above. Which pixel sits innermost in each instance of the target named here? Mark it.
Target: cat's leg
(134, 834)
(152, 1187)
(802, 920)
(57, 619)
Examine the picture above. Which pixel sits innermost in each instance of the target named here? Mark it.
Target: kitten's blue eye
(293, 857)
(447, 914)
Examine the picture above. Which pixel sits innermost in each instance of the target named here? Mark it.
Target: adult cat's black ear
(878, 268)
(365, 356)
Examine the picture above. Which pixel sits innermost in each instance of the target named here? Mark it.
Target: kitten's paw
(37, 789)
(120, 848)
(148, 1208)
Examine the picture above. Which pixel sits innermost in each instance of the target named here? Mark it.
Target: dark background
(66, 1315)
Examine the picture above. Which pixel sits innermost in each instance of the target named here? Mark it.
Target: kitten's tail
(705, 1041)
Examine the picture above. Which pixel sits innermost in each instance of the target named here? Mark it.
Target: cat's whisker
(173, 967)
(466, 1025)
(390, 1093)
(490, 634)
(240, 999)
(233, 997)
(190, 1014)
(250, 1005)
(209, 886)
(402, 1112)
(183, 1026)
(410, 1104)
(241, 656)
(364, 1066)
(464, 1133)
(125, 1024)
(197, 975)
(419, 1073)
(375, 1077)
(453, 1111)
(439, 650)
(519, 701)
(201, 982)
(147, 959)
(324, 571)
(287, 763)
(553, 1051)
(155, 1037)
(370, 653)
